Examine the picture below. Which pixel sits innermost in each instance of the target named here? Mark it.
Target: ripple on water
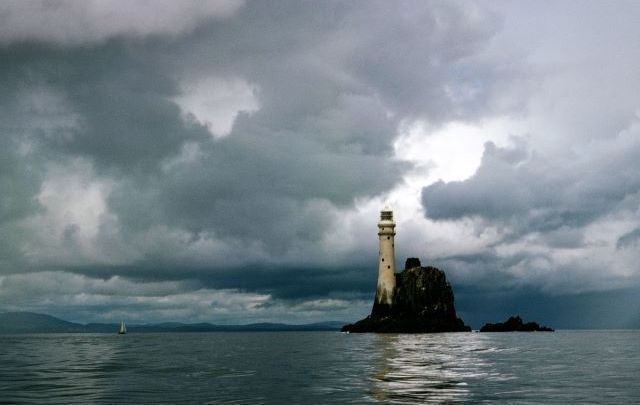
(323, 367)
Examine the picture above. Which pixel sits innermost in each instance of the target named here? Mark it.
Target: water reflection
(320, 368)
(428, 368)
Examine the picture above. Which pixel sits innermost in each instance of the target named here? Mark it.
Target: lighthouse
(386, 258)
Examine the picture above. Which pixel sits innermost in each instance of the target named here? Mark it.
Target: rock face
(514, 324)
(422, 303)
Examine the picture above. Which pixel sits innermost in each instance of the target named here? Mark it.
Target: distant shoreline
(12, 323)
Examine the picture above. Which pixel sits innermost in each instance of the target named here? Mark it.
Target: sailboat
(123, 328)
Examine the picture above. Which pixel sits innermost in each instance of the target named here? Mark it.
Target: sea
(598, 367)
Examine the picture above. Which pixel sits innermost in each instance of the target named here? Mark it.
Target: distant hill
(28, 322)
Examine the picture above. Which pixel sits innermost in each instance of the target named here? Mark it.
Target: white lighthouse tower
(387, 258)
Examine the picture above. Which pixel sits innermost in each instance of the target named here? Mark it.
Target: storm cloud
(560, 195)
(241, 149)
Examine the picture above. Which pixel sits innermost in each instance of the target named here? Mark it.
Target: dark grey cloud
(122, 117)
(85, 299)
(108, 181)
(564, 221)
(40, 20)
(629, 239)
(517, 187)
(250, 210)
(500, 175)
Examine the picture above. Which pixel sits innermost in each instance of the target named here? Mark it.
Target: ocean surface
(321, 367)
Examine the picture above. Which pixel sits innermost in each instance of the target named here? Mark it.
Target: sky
(225, 161)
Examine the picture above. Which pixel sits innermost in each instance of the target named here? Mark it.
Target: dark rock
(514, 324)
(411, 263)
(422, 302)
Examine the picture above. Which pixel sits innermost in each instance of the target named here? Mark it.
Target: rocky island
(422, 303)
(514, 324)
(417, 300)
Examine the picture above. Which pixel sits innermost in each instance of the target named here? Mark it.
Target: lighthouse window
(383, 259)
(388, 237)
(388, 267)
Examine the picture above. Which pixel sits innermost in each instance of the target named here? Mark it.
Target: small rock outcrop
(422, 303)
(514, 324)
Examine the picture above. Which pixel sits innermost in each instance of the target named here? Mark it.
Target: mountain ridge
(31, 322)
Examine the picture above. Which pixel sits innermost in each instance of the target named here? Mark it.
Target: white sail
(123, 328)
